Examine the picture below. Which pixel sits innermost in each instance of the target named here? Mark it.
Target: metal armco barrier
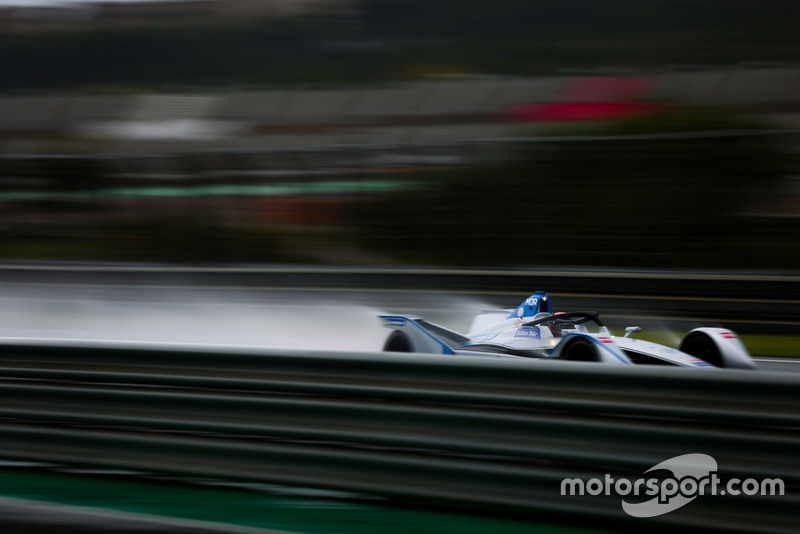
(486, 435)
(664, 283)
(756, 302)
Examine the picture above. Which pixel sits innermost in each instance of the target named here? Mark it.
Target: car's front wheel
(700, 345)
(580, 350)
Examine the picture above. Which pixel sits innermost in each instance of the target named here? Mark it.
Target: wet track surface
(275, 309)
(778, 365)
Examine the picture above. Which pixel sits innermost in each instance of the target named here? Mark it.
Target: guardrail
(633, 282)
(746, 302)
(486, 435)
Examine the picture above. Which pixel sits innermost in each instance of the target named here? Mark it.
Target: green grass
(783, 346)
(761, 345)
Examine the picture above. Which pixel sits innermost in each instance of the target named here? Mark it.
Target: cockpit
(561, 322)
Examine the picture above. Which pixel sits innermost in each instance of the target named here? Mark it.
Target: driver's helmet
(559, 323)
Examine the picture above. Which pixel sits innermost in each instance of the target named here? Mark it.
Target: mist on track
(271, 320)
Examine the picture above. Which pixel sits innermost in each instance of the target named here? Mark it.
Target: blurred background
(590, 148)
(375, 132)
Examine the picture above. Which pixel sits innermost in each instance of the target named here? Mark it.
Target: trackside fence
(478, 434)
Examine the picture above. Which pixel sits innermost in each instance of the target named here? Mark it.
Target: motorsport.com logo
(692, 475)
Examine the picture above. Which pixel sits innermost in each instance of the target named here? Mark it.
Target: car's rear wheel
(398, 342)
(580, 350)
(700, 345)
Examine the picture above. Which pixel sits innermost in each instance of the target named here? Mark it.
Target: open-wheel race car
(532, 330)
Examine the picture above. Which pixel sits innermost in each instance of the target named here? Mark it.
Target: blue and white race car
(532, 330)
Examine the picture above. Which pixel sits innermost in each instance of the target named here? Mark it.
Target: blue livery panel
(536, 303)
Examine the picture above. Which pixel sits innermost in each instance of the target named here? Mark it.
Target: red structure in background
(591, 98)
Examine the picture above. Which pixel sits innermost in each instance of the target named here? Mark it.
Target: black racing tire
(398, 342)
(580, 350)
(700, 345)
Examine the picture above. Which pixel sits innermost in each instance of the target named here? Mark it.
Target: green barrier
(278, 189)
(163, 502)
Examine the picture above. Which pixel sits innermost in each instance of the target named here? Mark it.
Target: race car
(532, 330)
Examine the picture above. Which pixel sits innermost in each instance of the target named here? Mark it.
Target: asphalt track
(778, 365)
(277, 309)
